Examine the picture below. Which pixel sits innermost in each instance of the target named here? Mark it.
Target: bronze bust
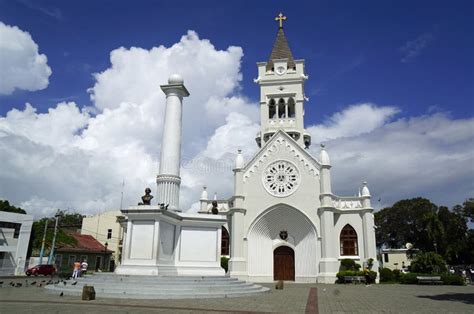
(146, 199)
(214, 209)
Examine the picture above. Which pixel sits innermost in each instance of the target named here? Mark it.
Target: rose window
(281, 178)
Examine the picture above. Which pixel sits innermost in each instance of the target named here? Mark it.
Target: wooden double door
(283, 263)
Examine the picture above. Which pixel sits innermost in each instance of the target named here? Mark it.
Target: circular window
(281, 178)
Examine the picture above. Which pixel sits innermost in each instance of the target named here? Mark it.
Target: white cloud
(352, 121)
(78, 158)
(429, 156)
(413, 48)
(21, 66)
(68, 157)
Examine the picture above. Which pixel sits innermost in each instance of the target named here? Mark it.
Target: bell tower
(282, 98)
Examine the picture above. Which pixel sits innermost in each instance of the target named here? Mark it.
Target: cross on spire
(280, 18)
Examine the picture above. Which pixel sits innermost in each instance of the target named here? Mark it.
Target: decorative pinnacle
(280, 18)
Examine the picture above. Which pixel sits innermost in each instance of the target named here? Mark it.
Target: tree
(429, 228)
(408, 221)
(467, 209)
(6, 207)
(428, 263)
(454, 242)
(62, 237)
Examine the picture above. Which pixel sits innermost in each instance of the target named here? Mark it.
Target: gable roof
(303, 155)
(85, 243)
(281, 50)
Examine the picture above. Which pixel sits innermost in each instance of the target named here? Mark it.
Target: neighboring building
(15, 232)
(105, 229)
(284, 220)
(396, 259)
(86, 248)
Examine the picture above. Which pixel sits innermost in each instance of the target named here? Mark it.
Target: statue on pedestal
(146, 199)
(214, 209)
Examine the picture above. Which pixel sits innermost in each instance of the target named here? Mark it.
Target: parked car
(41, 270)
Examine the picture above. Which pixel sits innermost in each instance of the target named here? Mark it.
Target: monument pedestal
(160, 242)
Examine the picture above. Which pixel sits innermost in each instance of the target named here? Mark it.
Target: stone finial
(175, 79)
(204, 193)
(324, 156)
(365, 189)
(239, 160)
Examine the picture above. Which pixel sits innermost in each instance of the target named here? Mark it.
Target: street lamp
(51, 254)
(105, 255)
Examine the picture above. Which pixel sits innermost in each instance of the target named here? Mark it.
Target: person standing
(84, 266)
(77, 270)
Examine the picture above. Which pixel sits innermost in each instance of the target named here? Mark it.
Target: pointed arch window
(291, 108)
(348, 241)
(281, 108)
(225, 242)
(272, 109)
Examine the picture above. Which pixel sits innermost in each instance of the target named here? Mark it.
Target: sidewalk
(295, 298)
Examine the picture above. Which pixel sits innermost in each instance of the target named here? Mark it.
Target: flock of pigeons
(39, 283)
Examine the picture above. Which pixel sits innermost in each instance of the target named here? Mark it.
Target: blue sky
(391, 93)
(353, 50)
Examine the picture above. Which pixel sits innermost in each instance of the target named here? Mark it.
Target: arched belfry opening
(281, 108)
(348, 241)
(291, 108)
(272, 109)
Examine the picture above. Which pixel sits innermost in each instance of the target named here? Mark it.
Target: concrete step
(158, 287)
(105, 287)
(137, 290)
(159, 280)
(156, 284)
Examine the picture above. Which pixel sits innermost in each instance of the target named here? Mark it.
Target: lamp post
(51, 254)
(105, 255)
(43, 241)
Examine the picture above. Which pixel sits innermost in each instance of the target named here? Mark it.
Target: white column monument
(160, 240)
(168, 179)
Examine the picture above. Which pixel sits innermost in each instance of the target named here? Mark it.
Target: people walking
(77, 270)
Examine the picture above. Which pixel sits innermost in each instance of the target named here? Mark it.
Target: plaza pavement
(295, 298)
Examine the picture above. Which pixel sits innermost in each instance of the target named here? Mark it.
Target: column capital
(175, 89)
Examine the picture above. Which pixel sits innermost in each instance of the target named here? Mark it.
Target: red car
(41, 270)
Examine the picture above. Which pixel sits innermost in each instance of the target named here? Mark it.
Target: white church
(283, 221)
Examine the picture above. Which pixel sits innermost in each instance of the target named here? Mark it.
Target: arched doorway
(283, 263)
(264, 236)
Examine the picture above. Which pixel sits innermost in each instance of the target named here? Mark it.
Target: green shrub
(452, 279)
(396, 274)
(340, 275)
(225, 263)
(428, 263)
(410, 278)
(386, 275)
(348, 264)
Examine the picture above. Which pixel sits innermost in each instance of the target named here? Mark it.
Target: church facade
(284, 221)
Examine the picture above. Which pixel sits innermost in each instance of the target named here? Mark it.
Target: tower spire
(281, 50)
